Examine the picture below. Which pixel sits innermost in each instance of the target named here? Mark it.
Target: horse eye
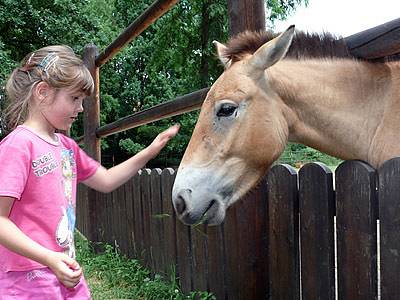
(226, 110)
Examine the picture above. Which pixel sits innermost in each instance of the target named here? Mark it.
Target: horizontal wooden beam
(376, 42)
(149, 16)
(164, 110)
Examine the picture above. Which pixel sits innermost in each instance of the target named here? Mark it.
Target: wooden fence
(282, 241)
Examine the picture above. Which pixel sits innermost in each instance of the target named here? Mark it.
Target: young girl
(39, 173)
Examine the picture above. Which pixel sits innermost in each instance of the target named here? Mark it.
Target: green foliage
(173, 57)
(111, 275)
(298, 154)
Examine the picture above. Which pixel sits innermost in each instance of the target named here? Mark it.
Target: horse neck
(333, 106)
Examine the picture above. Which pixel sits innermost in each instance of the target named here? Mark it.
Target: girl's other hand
(66, 269)
(162, 139)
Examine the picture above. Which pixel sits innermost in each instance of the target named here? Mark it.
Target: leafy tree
(173, 57)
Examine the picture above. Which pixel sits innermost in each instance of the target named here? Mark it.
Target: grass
(111, 275)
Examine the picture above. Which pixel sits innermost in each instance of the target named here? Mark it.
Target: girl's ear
(41, 91)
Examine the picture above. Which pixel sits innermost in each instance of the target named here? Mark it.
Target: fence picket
(283, 246)
(145, 199)
(184, 255)
(122, 236)
(157, 229)
(245, 238)
(138, 215)
(169, 251)
(356, 209)
(129, 206)
(199, 257)
(216, 261)
(389, 213)
(316, 206)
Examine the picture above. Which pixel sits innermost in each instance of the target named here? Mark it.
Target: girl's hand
(162, 139)
(66, 269)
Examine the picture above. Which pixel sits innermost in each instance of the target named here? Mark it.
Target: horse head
(240, 132)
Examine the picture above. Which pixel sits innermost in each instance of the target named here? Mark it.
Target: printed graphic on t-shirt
(65, 229)
(44, 164)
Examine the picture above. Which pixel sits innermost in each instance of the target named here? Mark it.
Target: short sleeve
(15, 166)
(86, 166)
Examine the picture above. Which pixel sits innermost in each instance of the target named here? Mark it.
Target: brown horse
(293, 87)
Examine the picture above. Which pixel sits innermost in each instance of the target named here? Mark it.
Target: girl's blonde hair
(58, 66)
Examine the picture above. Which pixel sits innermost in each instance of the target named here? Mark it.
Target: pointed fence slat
(184, 256)
(145, 198)
(356, 208)
(245, 226)
(130, 219)
(169, 251)
(157, 229)
(283, 246)
(199, 256)
(138, 215)
(316, 204)
(216, 261)
(389, 213)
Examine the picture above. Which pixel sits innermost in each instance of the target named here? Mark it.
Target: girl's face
(62, 108)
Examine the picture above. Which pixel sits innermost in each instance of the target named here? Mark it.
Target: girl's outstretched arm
(65, 268)
(104, 180)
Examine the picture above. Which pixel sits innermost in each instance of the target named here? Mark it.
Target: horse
(292, 87)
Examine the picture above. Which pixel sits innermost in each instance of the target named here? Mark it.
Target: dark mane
(304, 45)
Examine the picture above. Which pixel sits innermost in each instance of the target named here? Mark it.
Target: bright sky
(342, 17)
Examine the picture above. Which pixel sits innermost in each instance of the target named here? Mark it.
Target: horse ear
(272, 51)
(221, 52)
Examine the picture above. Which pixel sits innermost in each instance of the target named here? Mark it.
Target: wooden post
(246, 15)
(91, 121)
(91, 112)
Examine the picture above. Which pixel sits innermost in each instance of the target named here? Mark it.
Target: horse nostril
(180, 201)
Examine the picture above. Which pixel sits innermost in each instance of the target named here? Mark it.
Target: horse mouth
(213, 215)
(210, 213)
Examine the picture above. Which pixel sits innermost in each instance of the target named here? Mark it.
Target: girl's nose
(80, 106)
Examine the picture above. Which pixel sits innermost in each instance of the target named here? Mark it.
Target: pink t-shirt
(42, 176)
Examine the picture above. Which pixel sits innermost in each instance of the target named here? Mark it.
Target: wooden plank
(102, 217)
(199, 257)
(122, 224)
(81, 209)
(138, 216)
(283, 252)
(389, 215)
(148, 17)
(376, 42)
(261, 239)
(231, 251)
(317, 210)
(216, 261)
(109, 206)
(157, 228)
(356, 215)
(246, 246)
(164, 110)
(114, 217)
(129, 198)
(169, 253)
(145, 198)
(184, 256)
